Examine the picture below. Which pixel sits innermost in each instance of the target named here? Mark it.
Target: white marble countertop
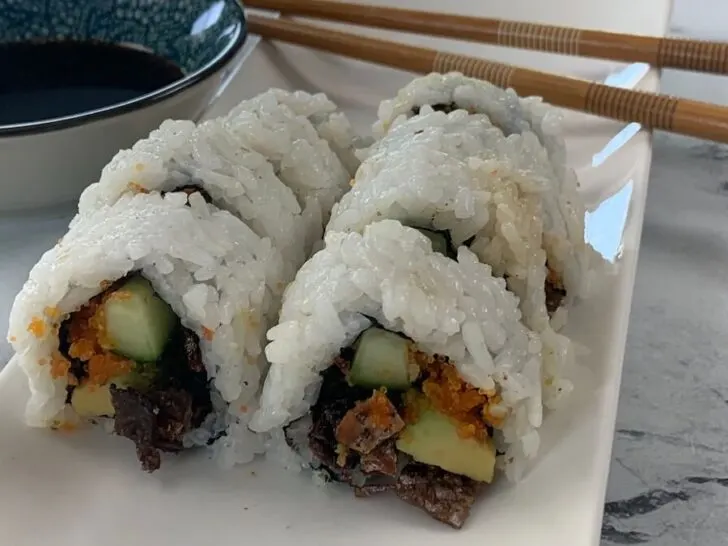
(669, 477)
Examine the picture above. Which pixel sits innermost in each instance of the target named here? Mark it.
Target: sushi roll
(458, 174)
(458, 177)
(149, 314)
(396, 367)
(206, 158)
(537, 126)
(270, 162)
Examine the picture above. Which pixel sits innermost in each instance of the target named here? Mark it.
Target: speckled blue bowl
(200, 36)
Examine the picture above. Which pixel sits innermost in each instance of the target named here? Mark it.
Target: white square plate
(86, 489)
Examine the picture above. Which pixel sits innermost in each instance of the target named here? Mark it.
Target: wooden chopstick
(688, 117)
(684, 54)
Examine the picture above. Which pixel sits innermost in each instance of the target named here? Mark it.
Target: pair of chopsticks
(653, 111)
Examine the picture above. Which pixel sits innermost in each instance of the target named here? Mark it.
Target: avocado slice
(138, 322)
(89, 400)
(383, 359)
(433, 439)
(92, 401)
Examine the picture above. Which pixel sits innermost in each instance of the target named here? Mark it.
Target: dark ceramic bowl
(49, 161)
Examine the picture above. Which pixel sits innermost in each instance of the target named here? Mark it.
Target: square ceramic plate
(86, 489)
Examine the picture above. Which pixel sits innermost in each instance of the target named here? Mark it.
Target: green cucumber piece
(439, 241)
(383, 359)
(138, 322)
(433, 439)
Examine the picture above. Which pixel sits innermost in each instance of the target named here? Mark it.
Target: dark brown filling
(555, 292)
(352, 439)
(176, 403)
(447, 497)
(446, 107)
(190, 189)
(172, 400)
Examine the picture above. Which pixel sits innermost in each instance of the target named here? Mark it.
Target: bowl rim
(142, 101)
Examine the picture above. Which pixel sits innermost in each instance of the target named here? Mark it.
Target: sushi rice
(391, 274)
(208, 266)
(494, 200)
(534, 121)
(247, 177)
(237, 179)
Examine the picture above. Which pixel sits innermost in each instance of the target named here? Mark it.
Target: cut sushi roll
(150, 313)
(457, 175)
(397, 368)
(210, 160)
(538, 127)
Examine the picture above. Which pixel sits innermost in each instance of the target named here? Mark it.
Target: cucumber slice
(439, 241)
(138, 322)
(434, 440)
(383, 359)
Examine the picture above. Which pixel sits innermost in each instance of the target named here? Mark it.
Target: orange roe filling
(89, 343)
(37, 327)
(66, 426)
(59, 365)
(449, 394)
(136, 188)
(104, 367)
(380, 410)
(207, 334)
(553, 278)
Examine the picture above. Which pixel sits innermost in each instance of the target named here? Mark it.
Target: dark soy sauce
(45, 80)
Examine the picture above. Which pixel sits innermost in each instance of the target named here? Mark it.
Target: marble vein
(669, 478)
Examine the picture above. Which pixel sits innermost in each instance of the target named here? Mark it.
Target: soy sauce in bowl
(50, 79)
